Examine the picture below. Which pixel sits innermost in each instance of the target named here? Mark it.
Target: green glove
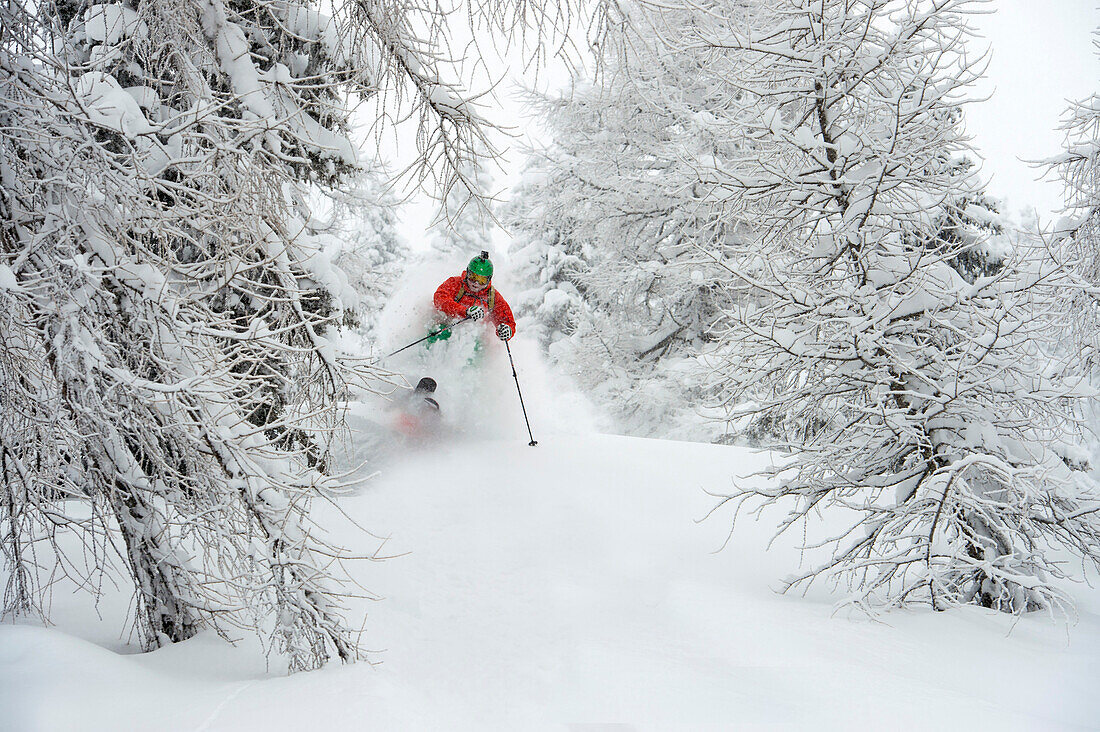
(440, 336)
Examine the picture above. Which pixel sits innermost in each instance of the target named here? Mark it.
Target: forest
(754, 229)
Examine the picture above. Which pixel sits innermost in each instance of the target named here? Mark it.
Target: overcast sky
(1042, 54)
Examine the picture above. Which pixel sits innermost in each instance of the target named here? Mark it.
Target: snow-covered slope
(572, 583)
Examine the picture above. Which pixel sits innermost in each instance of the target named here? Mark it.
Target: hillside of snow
(568, 584)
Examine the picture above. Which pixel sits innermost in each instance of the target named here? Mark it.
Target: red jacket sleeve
(502, 313)
(444, 299)
(444, 302)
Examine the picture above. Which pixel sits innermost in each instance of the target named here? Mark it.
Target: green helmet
(480, 265)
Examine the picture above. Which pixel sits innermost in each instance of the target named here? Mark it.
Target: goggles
(477, 281)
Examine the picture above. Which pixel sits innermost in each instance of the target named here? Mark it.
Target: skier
(472, 295)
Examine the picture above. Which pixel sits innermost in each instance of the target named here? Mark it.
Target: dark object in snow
(420, 416)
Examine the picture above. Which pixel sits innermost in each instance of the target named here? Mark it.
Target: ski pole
(532, 443)
(444, 329)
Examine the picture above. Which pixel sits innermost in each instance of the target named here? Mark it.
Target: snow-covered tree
(626, 194)
(164, 331)
(622, 195)
(1078, 233)
(551, 298)
(464, 221)
(364, 244)
(924, 415)
(168, 389)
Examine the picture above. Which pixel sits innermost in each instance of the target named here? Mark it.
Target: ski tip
(427, 384)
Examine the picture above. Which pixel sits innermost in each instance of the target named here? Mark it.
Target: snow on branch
(171, 385)
(921, 397)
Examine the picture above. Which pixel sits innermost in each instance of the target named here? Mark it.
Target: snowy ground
(568, 584)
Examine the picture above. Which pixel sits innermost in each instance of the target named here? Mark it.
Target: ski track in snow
(209, 723)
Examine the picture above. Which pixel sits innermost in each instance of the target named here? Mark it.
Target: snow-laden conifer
(630, 190)
(465, 218)
(363, 242)
(923, 415)
(622, 203)
(1078, 233)
(168, 386)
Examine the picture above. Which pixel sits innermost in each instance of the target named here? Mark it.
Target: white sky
(1041, 55)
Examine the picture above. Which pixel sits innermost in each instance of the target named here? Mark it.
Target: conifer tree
(622, 194)
(925, 412)
(168, 386)
(465, 218)
(789, 185)
(1078, 233)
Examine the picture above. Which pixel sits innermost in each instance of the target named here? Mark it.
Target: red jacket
(452, 298)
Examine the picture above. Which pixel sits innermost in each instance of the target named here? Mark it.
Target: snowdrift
(571, 583)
